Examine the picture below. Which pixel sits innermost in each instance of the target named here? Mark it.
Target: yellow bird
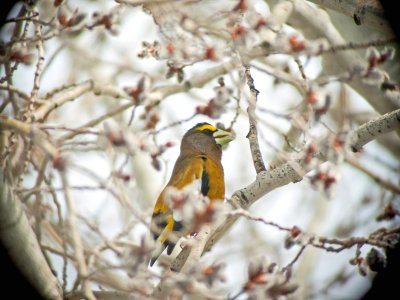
(199, 160)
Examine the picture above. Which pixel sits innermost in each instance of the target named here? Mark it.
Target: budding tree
(96, 96)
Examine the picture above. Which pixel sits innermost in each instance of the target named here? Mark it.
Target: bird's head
(206, 138)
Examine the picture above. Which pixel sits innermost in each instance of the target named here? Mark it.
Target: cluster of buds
(292, 237)
(134, 256)
(151, 115)
(389, 212)
(186, 41)
(266, 282)
(155, 162)
(178, 55)
(376, 58)
(152, 118)
(57, 3)
(191, 208)
(125, 140)
(258, 271)
(247, 27)
(209, 274)
(109, 21)
(375, 261)
(296, 44)
(138, 92)
(217, 105)
(21, 55)
(319, 102)
(66, 18)
(338, 145)
(324, 179)
(150, 50)
(115, 136)
(370, 73)
(309, 153)
(174, 70)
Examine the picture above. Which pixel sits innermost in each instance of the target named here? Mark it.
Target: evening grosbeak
(199, 164)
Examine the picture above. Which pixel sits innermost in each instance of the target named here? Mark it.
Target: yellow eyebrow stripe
(205, 127)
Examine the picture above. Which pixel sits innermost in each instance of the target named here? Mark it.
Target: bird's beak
(223, 137)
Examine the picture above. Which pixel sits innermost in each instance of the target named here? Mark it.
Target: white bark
(19, 239)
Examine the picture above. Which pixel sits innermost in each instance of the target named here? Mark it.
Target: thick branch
(368, 13)
(19, 239)
(64, 97)
(374, 128)
(30, 131)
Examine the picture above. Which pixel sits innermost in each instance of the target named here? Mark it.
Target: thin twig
(252, 135)
(378, 179)
(38, 70)
(76, 239)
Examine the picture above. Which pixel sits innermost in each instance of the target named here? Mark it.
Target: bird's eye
(207, 131)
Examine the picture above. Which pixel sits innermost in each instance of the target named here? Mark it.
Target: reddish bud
(155, 117)
(338, 144)
(170, 47)
(21, 57)
(62, 19)
(125, 177)
(241, 6)
(58, 2)
(311, 97)
(260, 278)
(210, 54)
(106, 21)
(207, 271)
(148, 107)
(207, 110)
(327, 179)
(388, 213)
(238, 31)
(153, 120)
(295, 231)
(116, 139)
(311, 149)
(261, 22)
(69, 21)
(151, 50)
(203, 217)
(59, 163)
(134, 93)
(296, 44)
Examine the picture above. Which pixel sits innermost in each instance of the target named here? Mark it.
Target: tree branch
(368, 13)
(76, 239)
(19, 239)
(252, 135)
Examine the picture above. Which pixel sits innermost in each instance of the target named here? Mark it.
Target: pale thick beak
(223, 137)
